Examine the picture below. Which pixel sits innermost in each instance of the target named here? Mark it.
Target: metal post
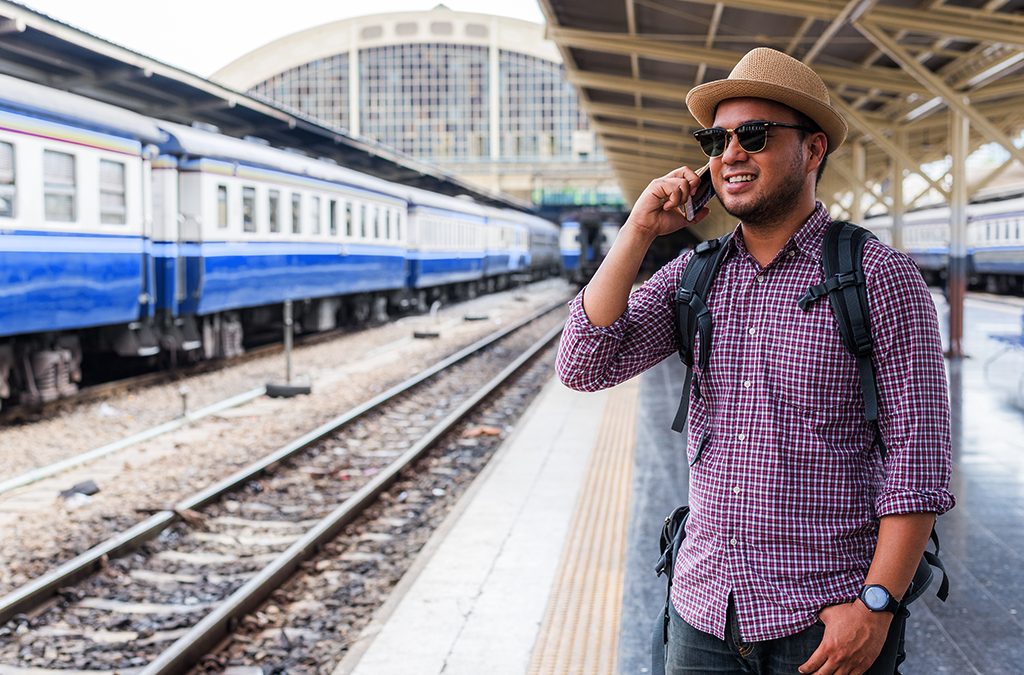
(860, 173)
(288, 341)
(898, 205)
(288, 388)
(956, 283)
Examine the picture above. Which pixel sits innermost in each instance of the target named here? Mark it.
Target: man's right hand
(658, 209)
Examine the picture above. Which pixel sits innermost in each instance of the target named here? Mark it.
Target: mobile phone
(703, 194)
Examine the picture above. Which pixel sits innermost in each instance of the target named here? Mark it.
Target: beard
(769, 209)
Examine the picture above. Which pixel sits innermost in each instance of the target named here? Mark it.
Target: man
(793, 509)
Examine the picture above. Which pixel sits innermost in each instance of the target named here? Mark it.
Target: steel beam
(666, 49)
(956, 101)
(640, 150)
(681, 119)
(633, 131)
(898, 207)
(944, 21)
(869, 129)
(959, 132)
(629, 85)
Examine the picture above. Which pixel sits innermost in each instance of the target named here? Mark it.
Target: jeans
(693, 652)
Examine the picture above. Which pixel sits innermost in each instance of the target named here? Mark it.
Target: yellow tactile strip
(580, 632)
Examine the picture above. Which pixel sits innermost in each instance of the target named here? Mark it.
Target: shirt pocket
(808, 366)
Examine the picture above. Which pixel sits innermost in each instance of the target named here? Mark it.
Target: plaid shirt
(786, 488)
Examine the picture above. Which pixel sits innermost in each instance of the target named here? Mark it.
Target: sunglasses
(752, 136)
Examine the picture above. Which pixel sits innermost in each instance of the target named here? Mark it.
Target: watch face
(875, 597)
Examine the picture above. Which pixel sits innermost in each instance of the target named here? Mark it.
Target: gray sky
(202, 35)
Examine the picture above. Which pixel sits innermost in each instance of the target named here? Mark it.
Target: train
(995, 242)
(122, 234)
(584, 242)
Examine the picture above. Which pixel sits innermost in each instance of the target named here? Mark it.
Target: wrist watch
(878, 599)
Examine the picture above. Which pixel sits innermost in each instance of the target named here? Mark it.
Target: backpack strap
(693, 316)
(842, 254)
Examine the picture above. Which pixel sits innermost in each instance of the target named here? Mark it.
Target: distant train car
(448, 241)
(258, 226)
(544, 254)
(584, 245)
(995, 242)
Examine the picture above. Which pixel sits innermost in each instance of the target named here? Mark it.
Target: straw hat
(770, 74)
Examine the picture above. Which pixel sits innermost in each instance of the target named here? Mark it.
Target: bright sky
(200, 36)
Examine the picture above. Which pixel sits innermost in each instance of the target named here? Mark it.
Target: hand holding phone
(701, 196)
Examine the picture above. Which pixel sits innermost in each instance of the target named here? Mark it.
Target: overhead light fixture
(994, 70)
(923, 109)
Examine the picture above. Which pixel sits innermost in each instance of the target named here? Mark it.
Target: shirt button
(791, 254)
(741, 436)
(747, 384)
(760, 277)
(737, 489)
(752, 330)
(732, 542)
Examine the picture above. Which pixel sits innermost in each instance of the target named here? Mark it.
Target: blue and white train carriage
(75, 261)
(125, 235)
(257, 226)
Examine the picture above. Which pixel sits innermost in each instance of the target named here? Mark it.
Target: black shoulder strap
(842, 254)
(692, 314)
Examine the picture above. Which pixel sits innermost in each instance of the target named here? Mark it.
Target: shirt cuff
(579, 318)
(895, 502)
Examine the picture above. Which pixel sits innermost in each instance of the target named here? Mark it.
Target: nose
(733, 151)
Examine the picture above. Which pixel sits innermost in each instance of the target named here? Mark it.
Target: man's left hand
(853, 639)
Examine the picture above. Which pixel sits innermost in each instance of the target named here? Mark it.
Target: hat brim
(703, 99)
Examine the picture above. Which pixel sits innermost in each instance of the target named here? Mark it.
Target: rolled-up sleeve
(597, 357)
(913, 392)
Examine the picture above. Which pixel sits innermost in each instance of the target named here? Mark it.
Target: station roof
(38, 48)
(895, 68)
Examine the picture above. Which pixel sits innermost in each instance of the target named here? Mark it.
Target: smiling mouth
(742, 178)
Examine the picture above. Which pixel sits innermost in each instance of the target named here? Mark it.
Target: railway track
(161, 595)
(16, 413)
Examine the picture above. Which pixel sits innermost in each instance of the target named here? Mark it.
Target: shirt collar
(808, 239)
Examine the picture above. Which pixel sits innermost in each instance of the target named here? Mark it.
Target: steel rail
(218, 624)
(31, 595)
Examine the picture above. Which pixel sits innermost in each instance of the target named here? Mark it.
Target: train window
(376, 221)
(59, 179)
(387, 224)
(362, 220)
(112, 193)
(349, 229)
(398, 225)
(249, 209)
(296, 213)
(7, 184)
(222, 206)
(332, 217)
(316, 215)
(273, 210)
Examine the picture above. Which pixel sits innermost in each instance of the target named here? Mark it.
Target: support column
(898, 206)
(354, 120)
(860, 175)
(494, 94)
(956, 283)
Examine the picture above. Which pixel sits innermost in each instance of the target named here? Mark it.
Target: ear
(817, 146)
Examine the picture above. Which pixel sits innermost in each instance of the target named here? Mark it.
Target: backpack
(842, 255)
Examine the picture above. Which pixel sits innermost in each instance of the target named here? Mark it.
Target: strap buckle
(709, 245)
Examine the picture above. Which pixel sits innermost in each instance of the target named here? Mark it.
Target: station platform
(546, 565)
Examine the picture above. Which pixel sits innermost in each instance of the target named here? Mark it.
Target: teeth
(746, 178)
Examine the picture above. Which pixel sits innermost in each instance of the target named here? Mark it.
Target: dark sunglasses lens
(712, 141)
(752, 137)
